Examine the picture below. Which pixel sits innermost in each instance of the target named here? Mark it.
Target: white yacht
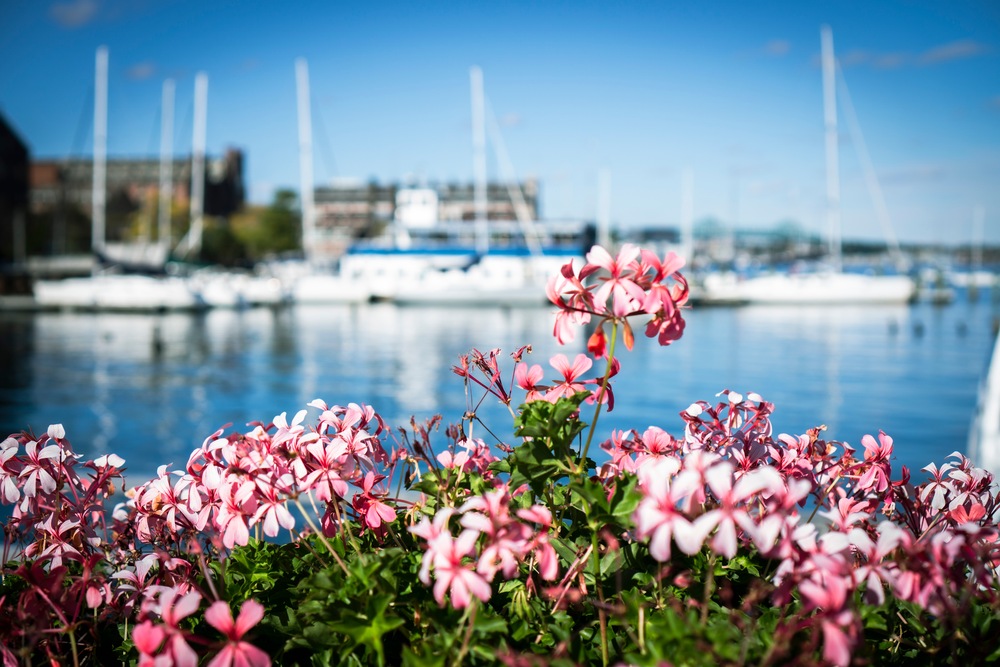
(423, 260)
(830, 285)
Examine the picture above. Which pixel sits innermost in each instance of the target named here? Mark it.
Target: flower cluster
(232, 485)
(730, 485)
(636, 282)
(505, 541)
(671, 549)
(235, 483)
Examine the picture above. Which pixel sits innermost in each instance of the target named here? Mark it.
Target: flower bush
(348, 542)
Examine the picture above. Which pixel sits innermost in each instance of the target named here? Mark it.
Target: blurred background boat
(828, 283)
(420, 258)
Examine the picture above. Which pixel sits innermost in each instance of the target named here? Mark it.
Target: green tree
(280, 225)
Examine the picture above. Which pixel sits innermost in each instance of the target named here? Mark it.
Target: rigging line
(531, 235)
(186, 130)
(82, 125)
(154, 135)
(326, 146)
(871, 179)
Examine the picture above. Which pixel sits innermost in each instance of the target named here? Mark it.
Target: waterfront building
(14, 159)
(351, 210)
(61, 192)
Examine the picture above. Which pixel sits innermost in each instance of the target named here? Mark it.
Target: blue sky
(730, 90)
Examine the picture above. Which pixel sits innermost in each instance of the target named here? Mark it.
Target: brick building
(14, 161)
(61, 197)
(350, 210)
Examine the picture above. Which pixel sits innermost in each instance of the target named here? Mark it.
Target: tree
(280, 225)
(273, 229)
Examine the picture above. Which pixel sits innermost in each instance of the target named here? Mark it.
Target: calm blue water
(151, 387)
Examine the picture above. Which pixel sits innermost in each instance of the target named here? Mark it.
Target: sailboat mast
(832, 164)
(98, 201)
(978, 217)
(305, 157)
(687, 216)
(198, 162)
(479, 159)
(166, 165)
(604, 207)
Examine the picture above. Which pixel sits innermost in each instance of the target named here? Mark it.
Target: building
(14, 162)
(62, 192)
(349, 210)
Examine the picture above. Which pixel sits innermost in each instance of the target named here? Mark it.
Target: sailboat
(831, 285)
(109, 291)
(309, 282)
(427, 261)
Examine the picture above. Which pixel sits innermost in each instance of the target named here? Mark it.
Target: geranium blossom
(571, 374)
(453, 575)
(373, 512)
(237, 652)
(733, 510)
(579, 553)
(658, 517)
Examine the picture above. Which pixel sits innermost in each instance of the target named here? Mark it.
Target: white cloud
(510, 120)
(73, 14)
(965, 48)
(141, 71)
(777, 47)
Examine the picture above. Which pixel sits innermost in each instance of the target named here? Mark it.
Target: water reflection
(151, 387)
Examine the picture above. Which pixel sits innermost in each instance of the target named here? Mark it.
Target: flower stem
(322, 537)
(72, 647)
(709, 587)
(601, 394)
(471, 619)
(595, 559)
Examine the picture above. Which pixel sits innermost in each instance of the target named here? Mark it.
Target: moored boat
(118, 292)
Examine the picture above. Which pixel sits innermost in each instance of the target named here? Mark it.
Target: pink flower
(877, 455)
(658, 517)
(666, 328)
(9, 462)
(147, 639)
(527, 378)
(37, 469)
(875, 569)
(433, 534)
(567, 291)
(452, 575)
(507, 538)
(237, 652)
(273, 510)
(732, 510)
(173, 607)
(620, 286)
(373, 513)
(838, 644)
(332, 464)
(660, 296)
(571, 375)
(545, 553)
(238, 505)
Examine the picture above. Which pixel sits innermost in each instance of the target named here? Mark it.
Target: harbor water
(150, 387)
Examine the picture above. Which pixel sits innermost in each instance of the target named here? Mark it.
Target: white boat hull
(493, 281)
(118, 292)
(811, 288)
(236, 290)
(320, 289)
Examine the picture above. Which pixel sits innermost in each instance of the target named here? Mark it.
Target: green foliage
(221, 245)
(277, 228)
(370, 608)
